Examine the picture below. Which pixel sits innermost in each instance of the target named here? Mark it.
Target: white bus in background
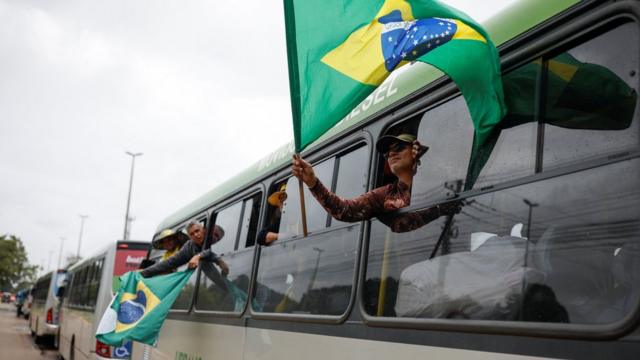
(43, 320)
(90, 288)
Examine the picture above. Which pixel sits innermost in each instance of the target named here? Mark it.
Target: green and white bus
(542, 261)
(90, 287)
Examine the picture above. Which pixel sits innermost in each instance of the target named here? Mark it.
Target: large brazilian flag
(340, 50)
(139, 308)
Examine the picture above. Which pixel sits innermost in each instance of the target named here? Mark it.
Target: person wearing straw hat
(402, 153)
(170, 241)
(270, 233)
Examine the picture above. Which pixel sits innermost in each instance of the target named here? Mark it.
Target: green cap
(382, 145)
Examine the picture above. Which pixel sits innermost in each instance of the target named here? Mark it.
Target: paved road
(15, 338)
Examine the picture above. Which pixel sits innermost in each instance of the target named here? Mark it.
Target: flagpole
(303, 208)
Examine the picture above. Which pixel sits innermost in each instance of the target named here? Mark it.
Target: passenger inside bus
(192, 253)
(402, 153)
(171, 241)
(276, 200)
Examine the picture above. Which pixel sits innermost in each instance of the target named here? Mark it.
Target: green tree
(15, 270)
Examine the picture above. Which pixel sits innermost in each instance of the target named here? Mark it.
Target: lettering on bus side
(185, 356)
(384, 91)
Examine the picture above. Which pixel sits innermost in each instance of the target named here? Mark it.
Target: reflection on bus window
(291, 223)
(559, 250)
(448, 132)
(510, 153)
(314, 275)
(591, 97)
(309, 275)
(228, 291)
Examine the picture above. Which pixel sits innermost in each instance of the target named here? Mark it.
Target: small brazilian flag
(340, 50)
(139, 308)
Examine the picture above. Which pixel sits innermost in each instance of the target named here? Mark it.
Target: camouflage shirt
(379, 202)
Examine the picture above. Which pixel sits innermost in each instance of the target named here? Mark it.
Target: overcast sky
(200, 87)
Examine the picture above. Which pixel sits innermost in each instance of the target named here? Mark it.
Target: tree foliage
(15, 270)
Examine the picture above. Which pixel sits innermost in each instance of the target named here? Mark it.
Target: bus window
(559, 250)
(94, 283)
(448, 132)
(291, 223)
(183, 302)
(229, 293)
(352, 176)
(249, 224)
(314, 275)
(227, 224)
(591, 97)
(511, 152)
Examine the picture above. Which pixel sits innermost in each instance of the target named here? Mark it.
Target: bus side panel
(195, 341)
(77, 325)
(36, 318)
(263, 344)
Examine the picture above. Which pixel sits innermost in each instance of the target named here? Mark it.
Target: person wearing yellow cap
(402, 153)
(270, 233)
(170, 241)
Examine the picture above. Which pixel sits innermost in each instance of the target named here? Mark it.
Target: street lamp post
(49, 263)
(60, 255)
(125, 236)
(82, 219)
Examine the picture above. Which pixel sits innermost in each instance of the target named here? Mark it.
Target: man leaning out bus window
(402, 153)
(191, 253)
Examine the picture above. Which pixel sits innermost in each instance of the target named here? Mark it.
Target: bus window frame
(521, 51)
(202, 216)
(335, 148)
(84, 264)
(234, 199)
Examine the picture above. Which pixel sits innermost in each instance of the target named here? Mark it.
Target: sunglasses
(396, 148)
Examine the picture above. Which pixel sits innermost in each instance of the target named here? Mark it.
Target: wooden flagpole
(303, 208)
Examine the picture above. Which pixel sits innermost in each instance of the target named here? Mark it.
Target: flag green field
(139, 308)
(339, 51)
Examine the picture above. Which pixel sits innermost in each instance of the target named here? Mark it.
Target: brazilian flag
(577, 95)
(139, 308)
(340, 50)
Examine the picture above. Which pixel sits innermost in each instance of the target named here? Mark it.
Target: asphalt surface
(15, 338)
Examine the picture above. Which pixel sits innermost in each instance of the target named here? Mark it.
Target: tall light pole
(49, 263)
(126, 216)
(82, 219)
(60, 255)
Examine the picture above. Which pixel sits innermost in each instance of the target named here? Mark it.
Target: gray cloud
(200, 87)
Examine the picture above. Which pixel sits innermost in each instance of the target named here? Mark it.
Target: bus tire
(72, 348)
(56, 340)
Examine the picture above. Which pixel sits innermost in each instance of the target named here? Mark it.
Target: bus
(90, 287)
(43, 318)
(543, 260)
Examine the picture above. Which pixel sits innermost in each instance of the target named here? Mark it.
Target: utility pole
(60, 255)
(82, 219)
(49, 263)
(125, 235)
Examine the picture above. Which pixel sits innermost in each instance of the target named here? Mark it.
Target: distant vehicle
(6, 297)
(90, 287)
(43, 320)
(21, 296)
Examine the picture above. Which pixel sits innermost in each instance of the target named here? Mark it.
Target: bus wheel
(72, 349)
(56, 340)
